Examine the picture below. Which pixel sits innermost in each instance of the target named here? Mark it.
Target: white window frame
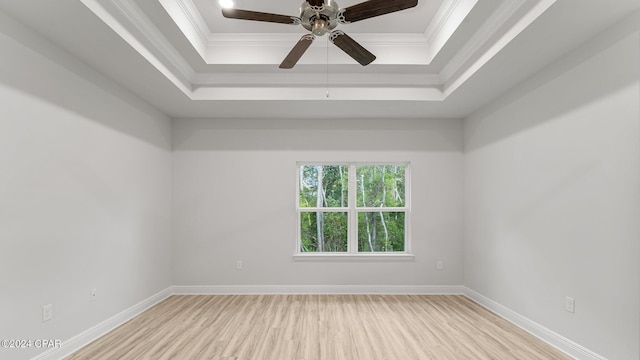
(352, 211)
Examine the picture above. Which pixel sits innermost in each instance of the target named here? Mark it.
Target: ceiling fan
(321, 17)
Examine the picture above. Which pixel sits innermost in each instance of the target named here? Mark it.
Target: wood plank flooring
(318, 327)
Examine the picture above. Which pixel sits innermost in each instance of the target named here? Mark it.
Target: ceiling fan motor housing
(319, 20)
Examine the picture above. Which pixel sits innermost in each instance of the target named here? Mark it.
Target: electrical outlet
(93, 295)
(439, 265)
(47, 312)
(570, 304)
(239, 265)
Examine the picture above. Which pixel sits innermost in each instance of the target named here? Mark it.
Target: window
(353, 209)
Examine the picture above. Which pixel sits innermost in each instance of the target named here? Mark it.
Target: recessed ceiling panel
(412, 37)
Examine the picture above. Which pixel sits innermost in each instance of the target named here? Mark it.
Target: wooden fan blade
(373, 8)
(298, 50)
(260, 16)
(351, 47)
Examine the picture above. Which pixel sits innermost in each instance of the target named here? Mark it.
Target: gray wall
(552, 196)
(234, 197)
(84, 184)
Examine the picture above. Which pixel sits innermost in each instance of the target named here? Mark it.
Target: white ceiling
(443, 58)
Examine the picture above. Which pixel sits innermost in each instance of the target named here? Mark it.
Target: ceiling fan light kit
(320, 17)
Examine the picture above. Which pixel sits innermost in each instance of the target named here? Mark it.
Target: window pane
(323, 231)
(380, 231)
(380, 185)
(332, 180)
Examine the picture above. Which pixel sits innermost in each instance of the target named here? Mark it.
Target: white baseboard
(556, 340)
(561, 343)
(317, 289)
(77, 342)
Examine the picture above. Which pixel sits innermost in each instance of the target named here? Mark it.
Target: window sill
(354, 257)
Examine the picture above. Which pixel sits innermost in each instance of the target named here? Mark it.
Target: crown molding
(480, 38)
(269, 48)
(154, 36)
(188, 19)
(445, 22)
(123, 15)
(320, 79)
(319, 92)
(279, 39)
(237, 63)
(493, 38)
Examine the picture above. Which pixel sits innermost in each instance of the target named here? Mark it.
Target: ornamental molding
(243, 65)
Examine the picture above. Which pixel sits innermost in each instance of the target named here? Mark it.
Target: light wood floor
(318, 327)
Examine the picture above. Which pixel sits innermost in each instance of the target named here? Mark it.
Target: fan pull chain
(327, 67)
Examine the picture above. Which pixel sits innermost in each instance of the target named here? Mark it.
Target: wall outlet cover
(47, 312)
(570, 304)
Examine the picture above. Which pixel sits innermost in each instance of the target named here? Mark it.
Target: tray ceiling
(199, 64)
(406, 44)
